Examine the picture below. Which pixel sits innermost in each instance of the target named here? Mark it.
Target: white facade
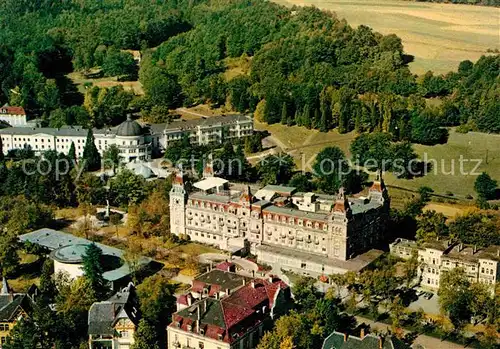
(321, 229)
(14, 116)
(214, 129)
(43, 139)
(71, 269)
(435, 258)
(134, 141)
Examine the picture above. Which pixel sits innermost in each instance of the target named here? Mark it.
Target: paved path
(426, 341)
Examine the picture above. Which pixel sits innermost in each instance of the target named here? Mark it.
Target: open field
(438, 35)
(304, 144)
(80, 81)
(480, 147)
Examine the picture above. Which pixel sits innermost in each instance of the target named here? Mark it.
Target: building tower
(340, 220)
(208, 170)
(178, 196)
(378, 191)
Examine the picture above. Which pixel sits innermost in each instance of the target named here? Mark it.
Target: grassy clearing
(479, 146)
(237, 66)
(438, 35)
(194, 249)
(80, 81)
(302, 143)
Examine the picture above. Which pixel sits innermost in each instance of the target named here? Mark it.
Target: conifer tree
(91, 156)
(1, 151)
(296, 117)
(284, 114)
(72, 152)
(316, 119)
(325, 117)
(306, 117)
(93, 269)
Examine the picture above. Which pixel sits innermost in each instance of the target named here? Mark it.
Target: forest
(307, 67)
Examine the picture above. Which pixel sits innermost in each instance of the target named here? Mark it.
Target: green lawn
(304, 144)
(483, 148)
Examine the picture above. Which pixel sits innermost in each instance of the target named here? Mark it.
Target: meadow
(439, 36)
(445, 177)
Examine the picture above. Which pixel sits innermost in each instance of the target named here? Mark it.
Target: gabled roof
(11, 307)
(104, 315)
(12, 110)
(338, 340)
(229, 318)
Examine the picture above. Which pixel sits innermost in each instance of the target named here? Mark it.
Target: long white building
(135, 141)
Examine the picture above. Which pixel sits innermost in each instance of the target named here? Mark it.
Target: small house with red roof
(237, 320)
(14, 116)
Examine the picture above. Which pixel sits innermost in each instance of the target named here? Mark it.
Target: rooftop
(12, 110)
(338, 340)
(205, 122)
(103, 315)
(355, 264)
(73, 247)
(297, 213)
(210, 183)
(223, 279)
(229, 318)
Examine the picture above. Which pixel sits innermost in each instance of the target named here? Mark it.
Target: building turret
(378, 190)
(5, 287)
(341, 205)
(178, 197)
(208, 170)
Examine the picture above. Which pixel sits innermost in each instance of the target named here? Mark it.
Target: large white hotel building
(305, 232)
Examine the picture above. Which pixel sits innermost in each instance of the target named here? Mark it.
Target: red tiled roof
(240, 312)
(198, 286)
(13, 110)
(377, 186)
(225, 266)
(234, 313)
(182, 299)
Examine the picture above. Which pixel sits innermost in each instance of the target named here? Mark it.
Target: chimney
(270, 278)
(189, 299)
(362, 335)
(253, 273)
(244, 281)
(475, 249)
(380, 342)
(211, 265)
(228, 291)
(460, 247)
(204, 306)
(345, 337)
(253, 283)
(198, 312)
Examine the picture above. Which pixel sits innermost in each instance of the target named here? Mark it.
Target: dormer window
(220, 336)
